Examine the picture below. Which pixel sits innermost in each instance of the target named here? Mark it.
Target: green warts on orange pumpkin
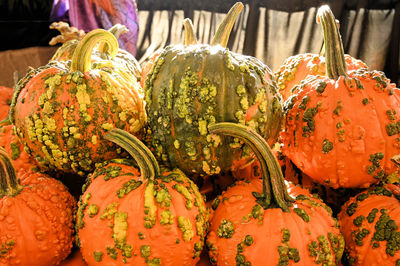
(62, 111)
(288, 222)
(323, 116)
(203, 88)
(169, 206)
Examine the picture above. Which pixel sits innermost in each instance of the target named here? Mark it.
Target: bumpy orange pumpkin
(296, 68)
(8, 138)
(256, 222)
(342, 130)
(35, 217)
(149, 216)
(370, 225)
(61, 112)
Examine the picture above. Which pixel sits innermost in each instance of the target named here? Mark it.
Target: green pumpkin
(194, 85)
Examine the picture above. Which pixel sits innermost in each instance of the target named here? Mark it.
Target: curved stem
(148, 164)
(115, 30)
(334, 52)
(274, 188)
(190, 36)
(224, 30)
(9, 185)
(81, 60)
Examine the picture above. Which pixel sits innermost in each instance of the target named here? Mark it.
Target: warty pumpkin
(370, 223)
(137, 216)
(70, 37)
(268, 222)
(195, 85)
(297, 67)
(62, 110)
(36, 217)
(342, 130)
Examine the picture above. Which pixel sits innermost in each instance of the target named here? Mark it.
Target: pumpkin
(341, 130)
(256, 219)
(137, 216)
(36, 217)
(5, 101)
(62, 110)
(297, 67)
(70, 37)
(370, 223)
(8, 139)
(194, 85)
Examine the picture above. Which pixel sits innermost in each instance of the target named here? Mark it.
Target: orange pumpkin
(5, 101)
(62, 111)
(342, 130)
(140, 216)
(370, 224)
(36, 217)
(258, 220)
(296, 68)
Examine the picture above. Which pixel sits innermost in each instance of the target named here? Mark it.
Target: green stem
(274, 188)
(115, 30)
(148, 164)
(334, 52)
(9, 185)
(190, 36)
(81, 60)
(221, 37)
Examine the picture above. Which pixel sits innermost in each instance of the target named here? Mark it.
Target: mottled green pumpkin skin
(191, 87)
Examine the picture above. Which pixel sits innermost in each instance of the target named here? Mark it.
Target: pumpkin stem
(274, 189)
(81, 60)
(148, 164)
(9, 185)
(224, 30)
(190, 36)
(334, 52)
(115, 30)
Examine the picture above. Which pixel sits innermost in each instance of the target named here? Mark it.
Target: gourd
(194, 85)
(268, 221)
(62, 110)
(140, 215)
(36, 217)
(369, 222)
(341, 130)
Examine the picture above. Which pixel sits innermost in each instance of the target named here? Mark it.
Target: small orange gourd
(370, 224)
(36, 217)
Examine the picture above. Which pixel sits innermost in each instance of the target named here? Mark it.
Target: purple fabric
(59, 11)
(93, 14)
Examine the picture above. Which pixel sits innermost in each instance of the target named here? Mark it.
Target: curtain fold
(276, 29)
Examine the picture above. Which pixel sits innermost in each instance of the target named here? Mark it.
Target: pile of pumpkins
(145, 146)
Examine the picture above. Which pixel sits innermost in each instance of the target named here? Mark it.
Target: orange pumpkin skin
(61, 113)
(296, 68)
(37, 222)
(120, 221)
(5, 101)
(240, 232)
(369, 223)
(341, 130)
(10, 142)
(331, 142)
